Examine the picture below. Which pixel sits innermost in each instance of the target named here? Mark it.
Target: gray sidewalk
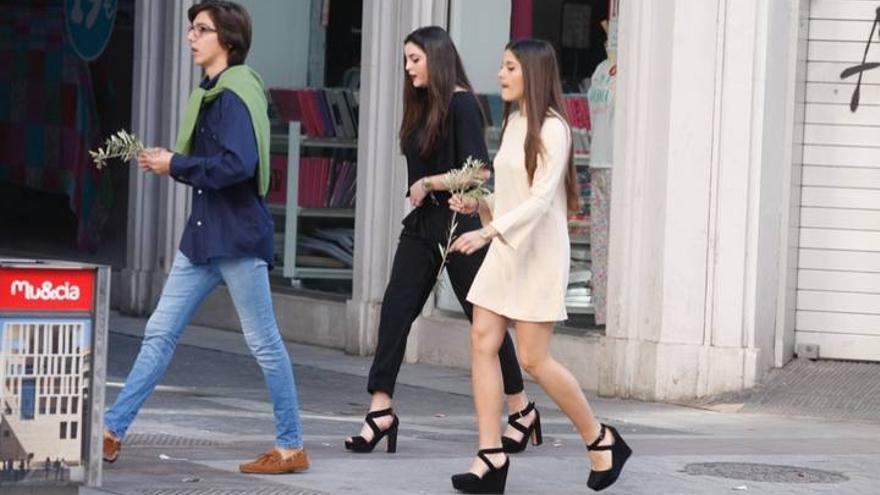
(212, 412)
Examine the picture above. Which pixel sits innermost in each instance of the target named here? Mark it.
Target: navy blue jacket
(228, 216)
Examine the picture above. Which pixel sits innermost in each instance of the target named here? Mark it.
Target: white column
(793, 132)
(704, 104)
(381, 168)
(158, 207)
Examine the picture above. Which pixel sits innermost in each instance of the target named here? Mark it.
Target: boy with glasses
(223, 153)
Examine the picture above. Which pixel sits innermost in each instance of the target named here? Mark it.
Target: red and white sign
(28, 289)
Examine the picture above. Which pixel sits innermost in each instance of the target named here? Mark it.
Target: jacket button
(199, 191)
(199, 223)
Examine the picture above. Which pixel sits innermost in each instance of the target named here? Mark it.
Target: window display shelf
(280, 143)
(327, 219)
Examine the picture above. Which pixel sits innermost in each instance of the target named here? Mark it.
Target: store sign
(89, 25)
(863, 67)
(46, 290)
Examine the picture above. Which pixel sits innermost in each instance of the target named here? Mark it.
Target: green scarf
(247, 85)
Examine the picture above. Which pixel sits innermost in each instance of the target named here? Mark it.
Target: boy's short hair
(233, 24)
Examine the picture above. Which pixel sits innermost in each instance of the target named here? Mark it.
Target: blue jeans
(187, 286)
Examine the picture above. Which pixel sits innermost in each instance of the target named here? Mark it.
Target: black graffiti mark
(862, 67)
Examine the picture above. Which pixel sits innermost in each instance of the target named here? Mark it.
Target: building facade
(725, 234)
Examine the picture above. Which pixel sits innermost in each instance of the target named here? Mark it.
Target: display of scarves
(48, 120)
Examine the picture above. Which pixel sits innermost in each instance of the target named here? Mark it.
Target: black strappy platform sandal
(492, 481)
(510, 445)
(620, 452)
(360, 445)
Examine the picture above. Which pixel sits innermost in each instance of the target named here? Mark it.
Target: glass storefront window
(59, 99)
(308, 52)
(578, 30)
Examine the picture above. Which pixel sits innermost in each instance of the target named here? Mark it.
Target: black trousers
(413, 275)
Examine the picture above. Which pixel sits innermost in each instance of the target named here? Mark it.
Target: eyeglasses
(200, 30)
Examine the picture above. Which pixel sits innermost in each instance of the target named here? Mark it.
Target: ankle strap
(482, 455)
(515, 416)
(380, 413)
(499, 450)
(595, 444)
(377, 414)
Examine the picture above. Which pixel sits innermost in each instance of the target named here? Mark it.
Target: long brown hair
(542, 92)
(427, 108)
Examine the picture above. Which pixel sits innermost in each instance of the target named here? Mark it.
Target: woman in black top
(442, 126)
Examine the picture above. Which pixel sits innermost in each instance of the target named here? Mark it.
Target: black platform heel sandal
(620, 452)
(360, 445)
(510, 445)
(493, 480)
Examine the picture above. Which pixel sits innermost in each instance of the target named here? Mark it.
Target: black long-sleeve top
(464, 138)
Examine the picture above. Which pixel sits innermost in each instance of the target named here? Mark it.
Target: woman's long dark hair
(427, 108)
(542, 92)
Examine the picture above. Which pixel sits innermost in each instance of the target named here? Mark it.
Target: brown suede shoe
(112, 446)
(272, 463)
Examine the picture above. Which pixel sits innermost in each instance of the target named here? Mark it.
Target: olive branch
(468, 182)
(122, 145)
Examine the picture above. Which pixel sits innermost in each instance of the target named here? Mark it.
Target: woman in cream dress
(525, 273)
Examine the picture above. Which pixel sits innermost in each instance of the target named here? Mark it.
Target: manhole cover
(165, 440)
(770, 473)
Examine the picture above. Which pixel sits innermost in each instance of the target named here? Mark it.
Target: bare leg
(533, 346)
(487, 332)
(515, 404)
(462, 270)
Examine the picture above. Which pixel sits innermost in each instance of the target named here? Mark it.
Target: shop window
(308, 53)
(578, 31)
(73, 213)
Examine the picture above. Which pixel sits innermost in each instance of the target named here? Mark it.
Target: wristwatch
(485, 234)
